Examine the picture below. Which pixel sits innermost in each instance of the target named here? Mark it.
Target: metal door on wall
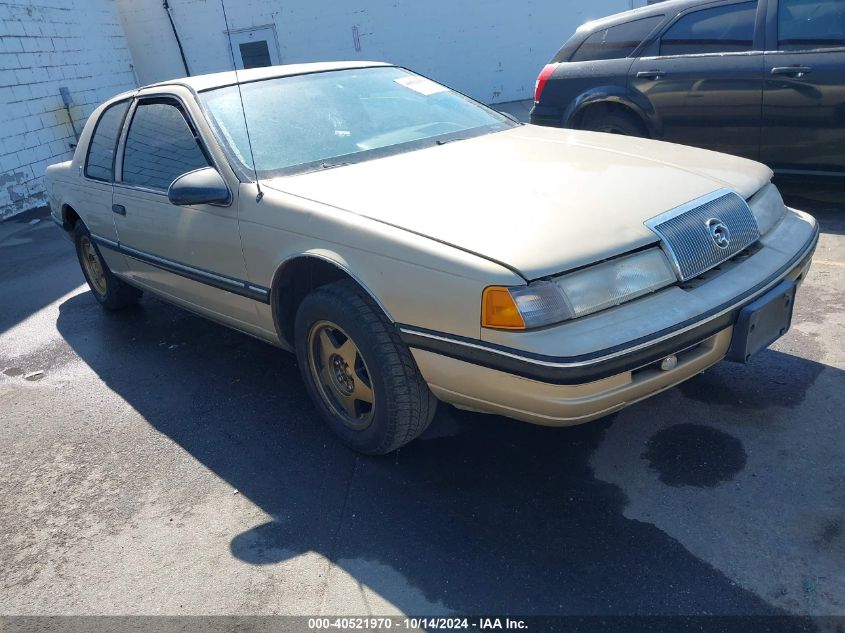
(255, 47)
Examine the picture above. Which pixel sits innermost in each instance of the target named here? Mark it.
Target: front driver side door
(190, 254)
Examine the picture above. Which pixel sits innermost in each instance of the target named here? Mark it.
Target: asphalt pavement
(154, 462)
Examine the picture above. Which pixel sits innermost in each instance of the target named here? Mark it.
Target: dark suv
(764, 79)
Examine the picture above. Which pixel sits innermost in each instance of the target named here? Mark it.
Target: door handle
(119, 209)
(792, 71)
(650, 74)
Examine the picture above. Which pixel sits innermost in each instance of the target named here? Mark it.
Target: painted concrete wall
(45, 45)
(489, 49)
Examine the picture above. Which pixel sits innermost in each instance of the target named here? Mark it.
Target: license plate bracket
(762, 322)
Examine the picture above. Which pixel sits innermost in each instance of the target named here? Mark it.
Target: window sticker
(421, 85)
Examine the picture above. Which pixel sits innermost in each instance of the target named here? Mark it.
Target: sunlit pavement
(162, 464)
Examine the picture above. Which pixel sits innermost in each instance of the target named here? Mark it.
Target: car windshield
(320, 120)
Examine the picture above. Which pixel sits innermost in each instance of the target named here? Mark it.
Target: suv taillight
(542, 78)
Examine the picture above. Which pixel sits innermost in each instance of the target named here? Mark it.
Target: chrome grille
(693, 232)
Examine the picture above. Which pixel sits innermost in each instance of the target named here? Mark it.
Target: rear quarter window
(99, 164)
(616, 42)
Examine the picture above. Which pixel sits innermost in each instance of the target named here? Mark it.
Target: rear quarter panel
(577, 84)
(68, 188)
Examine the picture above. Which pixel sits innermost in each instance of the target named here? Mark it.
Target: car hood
(539, 200)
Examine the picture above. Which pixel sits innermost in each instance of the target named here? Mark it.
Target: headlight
(577, 294)
(768, 207)
(616, 281)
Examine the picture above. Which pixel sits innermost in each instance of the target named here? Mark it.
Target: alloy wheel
(93, 268)
(341, 374)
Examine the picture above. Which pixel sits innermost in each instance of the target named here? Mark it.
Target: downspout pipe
(67, 101)
(176, 35)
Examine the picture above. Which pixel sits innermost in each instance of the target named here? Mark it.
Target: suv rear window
(810, 24)
(615, 42)
(723, 29)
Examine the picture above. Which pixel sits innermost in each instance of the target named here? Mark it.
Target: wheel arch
(70, 217)
(608, 96)
(299, 275)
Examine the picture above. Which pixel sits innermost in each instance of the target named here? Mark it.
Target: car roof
(667, 7)
(198, 83)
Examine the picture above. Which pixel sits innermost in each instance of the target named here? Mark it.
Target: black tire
(599, 119)
(108, 290)
(402, 406)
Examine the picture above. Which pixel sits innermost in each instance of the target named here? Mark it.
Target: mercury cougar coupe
(411, 245)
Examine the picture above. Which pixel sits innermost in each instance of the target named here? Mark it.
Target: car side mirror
(201, 186)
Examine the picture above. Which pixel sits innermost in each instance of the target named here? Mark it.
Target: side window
(160, 146)
(615, 42)
(99, 164)
(810, 24)
(725, 29)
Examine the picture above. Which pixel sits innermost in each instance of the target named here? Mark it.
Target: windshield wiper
(327, 165)
(443, 141)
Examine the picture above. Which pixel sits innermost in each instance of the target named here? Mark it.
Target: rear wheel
(108, 290)
(358, 371)
(612, 121)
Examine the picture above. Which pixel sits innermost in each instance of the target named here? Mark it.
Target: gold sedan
(411, 245)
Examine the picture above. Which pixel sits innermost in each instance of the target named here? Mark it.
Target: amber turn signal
(498, 309)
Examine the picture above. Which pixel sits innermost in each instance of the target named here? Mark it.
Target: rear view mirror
(201, 186)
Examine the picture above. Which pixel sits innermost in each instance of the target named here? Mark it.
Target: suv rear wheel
(612, 121)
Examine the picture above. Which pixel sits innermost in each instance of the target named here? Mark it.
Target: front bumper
(552, 390)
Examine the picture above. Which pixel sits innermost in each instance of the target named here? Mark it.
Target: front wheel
(357, 370)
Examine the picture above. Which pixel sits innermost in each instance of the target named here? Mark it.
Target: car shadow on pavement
(35, 271)
(479, 515)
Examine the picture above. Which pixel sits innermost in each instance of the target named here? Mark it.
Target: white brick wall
(44, 45)
(490, 49)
